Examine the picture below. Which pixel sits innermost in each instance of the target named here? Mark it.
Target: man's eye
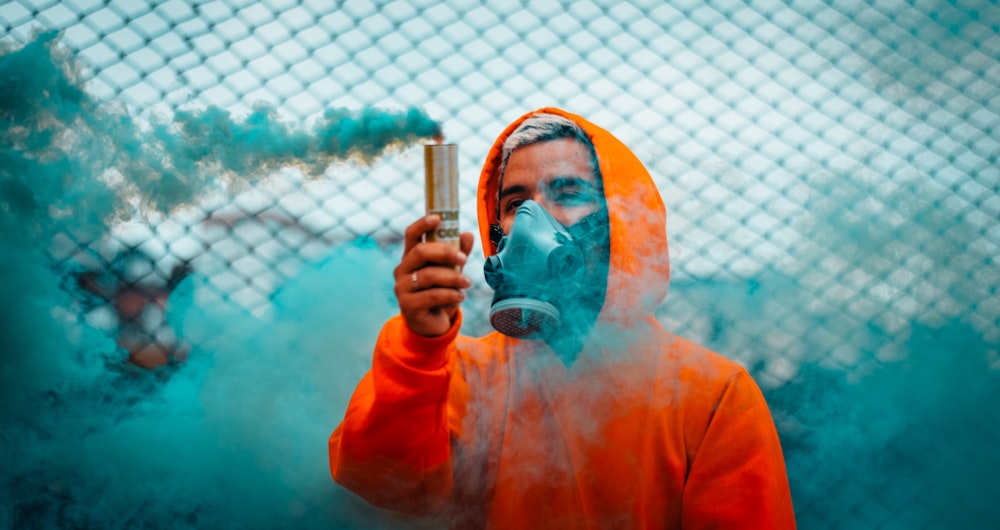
(573, 197)
(512, 205)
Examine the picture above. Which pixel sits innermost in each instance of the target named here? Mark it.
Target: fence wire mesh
(830, 171)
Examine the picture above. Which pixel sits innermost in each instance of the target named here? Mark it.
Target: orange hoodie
(644, 430)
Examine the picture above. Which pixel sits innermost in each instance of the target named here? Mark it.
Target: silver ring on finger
(415, 281)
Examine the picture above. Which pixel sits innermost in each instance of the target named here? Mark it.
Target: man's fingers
(432, 277)
(429, 282)
(426, 254)
(415, 232)
(428, 299)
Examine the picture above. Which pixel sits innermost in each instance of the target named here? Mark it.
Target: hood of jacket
(639, 267)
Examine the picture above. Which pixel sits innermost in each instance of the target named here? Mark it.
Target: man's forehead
(564, 158)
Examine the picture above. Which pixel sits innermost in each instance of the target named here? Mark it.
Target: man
(583, 412)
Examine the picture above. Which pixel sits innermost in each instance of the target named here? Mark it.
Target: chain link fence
(830, 171)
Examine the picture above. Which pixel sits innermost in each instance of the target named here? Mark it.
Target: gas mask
(539, 273)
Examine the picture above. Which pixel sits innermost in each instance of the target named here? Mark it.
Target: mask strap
(589, 224)
(496, 234)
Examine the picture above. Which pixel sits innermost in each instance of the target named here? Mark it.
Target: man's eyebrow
(512, 190)
(568, 181)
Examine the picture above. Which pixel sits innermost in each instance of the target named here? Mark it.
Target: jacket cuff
(426, 353)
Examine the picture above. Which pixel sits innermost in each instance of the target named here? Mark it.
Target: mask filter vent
(524, 318)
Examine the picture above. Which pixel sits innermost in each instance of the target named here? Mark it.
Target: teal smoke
(887, 417)
(67, 159)
(234, 438)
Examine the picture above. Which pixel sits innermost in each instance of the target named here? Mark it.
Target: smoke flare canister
(441, 172)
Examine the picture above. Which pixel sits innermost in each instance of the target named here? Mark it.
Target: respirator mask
(539, 273)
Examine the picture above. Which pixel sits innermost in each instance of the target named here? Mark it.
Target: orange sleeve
(737, 478)
(393, 446)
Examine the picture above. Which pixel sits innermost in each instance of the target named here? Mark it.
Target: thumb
(466, 241)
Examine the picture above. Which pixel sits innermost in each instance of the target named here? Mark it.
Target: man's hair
(543, 127)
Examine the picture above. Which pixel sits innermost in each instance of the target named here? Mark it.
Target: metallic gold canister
(441, 172)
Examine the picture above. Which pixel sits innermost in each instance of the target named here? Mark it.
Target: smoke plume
(236, 436)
